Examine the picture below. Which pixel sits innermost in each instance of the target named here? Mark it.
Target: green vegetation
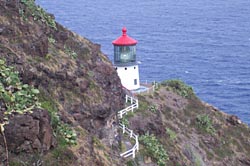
(21, 98)
(154, 148)
(61, 130)
(37, 13)
(125, 118)
(17, 97)
(133, 162)
(70, 52)
(51, 40)
(143, 103)
(60, 156)
(67, 133)
(179, 87)
(204, 123)
(153, 108)
(125, 121)
(172, 135)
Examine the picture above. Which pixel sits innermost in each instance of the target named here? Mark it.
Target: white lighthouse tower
(125, 61)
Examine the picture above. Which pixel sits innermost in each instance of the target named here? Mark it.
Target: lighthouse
(125, 61)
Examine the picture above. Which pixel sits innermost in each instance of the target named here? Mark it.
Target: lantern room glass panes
(124, 54)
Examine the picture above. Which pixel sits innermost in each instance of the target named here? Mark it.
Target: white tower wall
(129, 76)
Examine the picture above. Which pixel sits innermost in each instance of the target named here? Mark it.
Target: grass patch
(60, 156)
(224, 149)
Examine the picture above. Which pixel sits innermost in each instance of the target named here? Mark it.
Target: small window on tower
(134, 67)
(125, 68)
(135, 81)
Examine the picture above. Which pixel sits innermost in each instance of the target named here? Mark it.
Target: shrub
(172, 135)
(68, 134)
(154, 148)
(125, 121)
(70, 52)
(153, 108)
(179, 87)
(51, 40)
(204, 123)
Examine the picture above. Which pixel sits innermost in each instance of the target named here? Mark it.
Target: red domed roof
(124, 40)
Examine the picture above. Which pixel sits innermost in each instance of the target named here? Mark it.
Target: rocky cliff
(76, 81)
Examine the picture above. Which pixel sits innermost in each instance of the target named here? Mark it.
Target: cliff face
(70, 72)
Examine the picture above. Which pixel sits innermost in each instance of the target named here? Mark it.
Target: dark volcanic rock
(29, 133)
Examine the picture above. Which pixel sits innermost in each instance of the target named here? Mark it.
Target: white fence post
(123, 128)
(121, 115)
(137, 142)
(133, 153)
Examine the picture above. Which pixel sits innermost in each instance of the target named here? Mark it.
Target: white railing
(131, 99)
(131, 135)
(134, 104)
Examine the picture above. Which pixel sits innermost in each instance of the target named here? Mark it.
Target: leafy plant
(51, 40)
(36, 12)
(204, 123)
(70, 52)
(154, 148)
(17, 97)
(153, 108)
(67, 133)
(179, 87)
(172, 135)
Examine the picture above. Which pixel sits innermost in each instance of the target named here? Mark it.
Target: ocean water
(202, 42)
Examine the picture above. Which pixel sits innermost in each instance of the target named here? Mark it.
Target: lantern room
(124, 54)
(125, 61)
